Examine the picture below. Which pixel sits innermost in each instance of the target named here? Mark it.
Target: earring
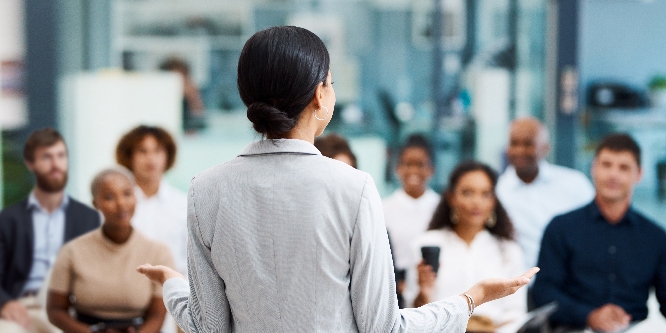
(492, 220)
(454, 217)
(315, 113)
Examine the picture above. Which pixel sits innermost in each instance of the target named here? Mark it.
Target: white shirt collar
(482, 237)
(545, 175)
(406, 197)
(162, 192)
(34, 203)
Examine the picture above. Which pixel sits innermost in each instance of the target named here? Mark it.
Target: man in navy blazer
(32, 232)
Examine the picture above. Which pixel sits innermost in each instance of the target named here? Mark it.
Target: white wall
(623, 41)
(98, 108)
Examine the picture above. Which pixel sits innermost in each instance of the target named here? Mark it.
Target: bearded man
(32, 232)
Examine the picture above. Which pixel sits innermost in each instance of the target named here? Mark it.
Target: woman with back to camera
(475, 237)
(283, 239)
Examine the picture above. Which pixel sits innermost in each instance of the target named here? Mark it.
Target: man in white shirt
(534, 191)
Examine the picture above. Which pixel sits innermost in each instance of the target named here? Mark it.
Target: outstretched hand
(158, 273)
(491, 289)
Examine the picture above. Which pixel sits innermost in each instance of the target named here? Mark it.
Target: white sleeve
(373, 295)
(205, 307)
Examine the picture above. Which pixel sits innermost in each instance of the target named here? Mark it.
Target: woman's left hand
(158, 273)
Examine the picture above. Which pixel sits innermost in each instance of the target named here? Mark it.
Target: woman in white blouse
(161, 210)
(475, 237)
(409, 209)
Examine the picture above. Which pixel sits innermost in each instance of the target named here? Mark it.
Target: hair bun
(269, 120)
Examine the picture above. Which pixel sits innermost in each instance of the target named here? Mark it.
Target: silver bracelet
(470, 300)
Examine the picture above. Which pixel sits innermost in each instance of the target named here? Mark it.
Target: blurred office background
(457, 70)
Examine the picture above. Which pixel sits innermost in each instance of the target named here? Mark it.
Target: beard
(51, 184)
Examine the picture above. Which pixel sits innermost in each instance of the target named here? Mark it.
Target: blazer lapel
(28, 233)
(70, 222)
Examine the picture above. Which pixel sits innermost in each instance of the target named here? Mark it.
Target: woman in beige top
(94, 273)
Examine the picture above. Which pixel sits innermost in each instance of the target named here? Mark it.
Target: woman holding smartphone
(283, 239)
(475, 238)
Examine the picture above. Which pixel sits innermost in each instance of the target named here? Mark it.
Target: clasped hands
(608, 318)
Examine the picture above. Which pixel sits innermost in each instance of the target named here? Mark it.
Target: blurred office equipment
(207, 34)
(98, 108)
(615, 95)
(535, 319)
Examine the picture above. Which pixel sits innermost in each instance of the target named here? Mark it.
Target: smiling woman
(95, 269)
(475, 237)
(409, 209)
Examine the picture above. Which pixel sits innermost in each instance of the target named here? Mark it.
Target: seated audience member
(32, 232)
(336, 147)
(534, 191)
(95, 274)
(161, 210)
(409, 209)
(600, 261)
(475, 237)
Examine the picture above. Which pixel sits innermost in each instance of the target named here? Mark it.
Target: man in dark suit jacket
(32, 232)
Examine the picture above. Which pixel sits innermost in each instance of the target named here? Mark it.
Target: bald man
(534, 191)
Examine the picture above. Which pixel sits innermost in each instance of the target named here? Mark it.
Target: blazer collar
(280, 146)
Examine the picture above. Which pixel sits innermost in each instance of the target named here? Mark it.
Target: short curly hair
(130, 141)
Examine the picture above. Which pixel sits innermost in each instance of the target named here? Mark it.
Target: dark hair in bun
(278, 72)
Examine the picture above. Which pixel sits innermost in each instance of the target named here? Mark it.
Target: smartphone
(430, 256)
(400, 275)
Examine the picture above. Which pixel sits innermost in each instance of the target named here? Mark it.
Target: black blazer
(17, 242)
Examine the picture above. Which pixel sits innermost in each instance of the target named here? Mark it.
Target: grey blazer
(282, 239)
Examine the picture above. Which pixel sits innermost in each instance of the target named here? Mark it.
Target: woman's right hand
(158, 273)
(491, 289)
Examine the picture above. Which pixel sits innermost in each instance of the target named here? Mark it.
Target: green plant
(17, 180)
(658, 82)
